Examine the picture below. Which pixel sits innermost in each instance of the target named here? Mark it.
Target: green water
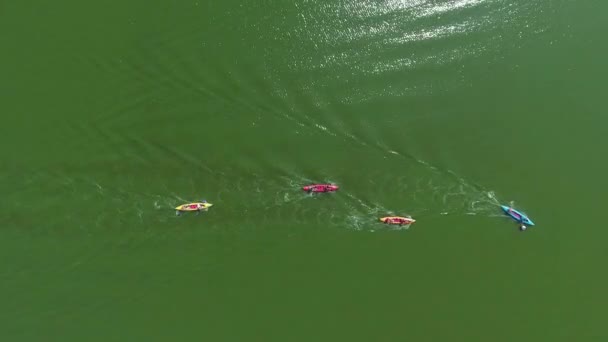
(116, 112)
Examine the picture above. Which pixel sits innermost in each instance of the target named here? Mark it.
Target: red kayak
(320, 188)
(397, 220)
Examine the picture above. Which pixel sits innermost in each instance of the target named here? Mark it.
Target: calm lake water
(116, 112)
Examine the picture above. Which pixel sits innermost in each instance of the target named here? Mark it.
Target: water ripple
(346, 42)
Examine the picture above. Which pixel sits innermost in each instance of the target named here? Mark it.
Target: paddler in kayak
(320, 188)
(518, 216)
(397, 220)
(196, 206)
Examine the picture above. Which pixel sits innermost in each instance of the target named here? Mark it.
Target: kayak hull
(196, 206)
(397, 220)
(517, 215)
(320, 188)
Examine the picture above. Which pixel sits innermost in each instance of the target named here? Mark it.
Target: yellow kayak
(196, 206)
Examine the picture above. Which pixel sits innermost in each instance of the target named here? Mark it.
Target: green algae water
(114, 113)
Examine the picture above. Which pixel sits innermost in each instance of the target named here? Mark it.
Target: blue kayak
(517, 215)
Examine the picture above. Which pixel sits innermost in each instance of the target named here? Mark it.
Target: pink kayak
(320, 188)
(397, 220)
